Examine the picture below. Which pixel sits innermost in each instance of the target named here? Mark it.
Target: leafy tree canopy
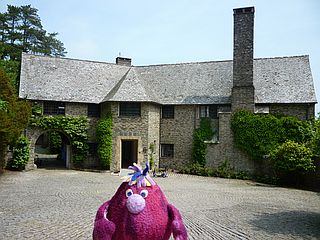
(14, 113)
(21, 31)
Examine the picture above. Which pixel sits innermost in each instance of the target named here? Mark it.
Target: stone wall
(178, 131)
(154, 130)
(144, 129)
(76, 109)
(225, 150)
(301, 111)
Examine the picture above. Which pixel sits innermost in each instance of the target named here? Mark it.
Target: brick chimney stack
(123, 61)
(243, 89)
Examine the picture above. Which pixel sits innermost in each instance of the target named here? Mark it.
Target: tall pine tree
(21, 30)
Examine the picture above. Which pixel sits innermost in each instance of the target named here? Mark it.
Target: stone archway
(34, 134)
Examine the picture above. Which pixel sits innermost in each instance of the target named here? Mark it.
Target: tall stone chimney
(243, 89)
(123, 61)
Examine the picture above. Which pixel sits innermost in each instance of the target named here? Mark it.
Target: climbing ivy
(260, 134)
(199, 148)
(104, 138)
(76, 128)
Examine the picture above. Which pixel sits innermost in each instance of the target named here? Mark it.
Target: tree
(21, 30)
(14, 116)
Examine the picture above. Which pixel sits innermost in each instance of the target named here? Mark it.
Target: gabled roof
(276, 80)
(70, 80)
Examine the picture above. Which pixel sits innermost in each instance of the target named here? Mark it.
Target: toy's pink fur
(157, 221)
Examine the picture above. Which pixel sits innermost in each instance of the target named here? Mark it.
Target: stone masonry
(281, 85)
(243, 89)
(178, 131)
(144, 129)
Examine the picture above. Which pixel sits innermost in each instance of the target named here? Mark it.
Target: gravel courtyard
(61, 204)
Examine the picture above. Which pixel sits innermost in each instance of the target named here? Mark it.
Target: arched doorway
(52, 149)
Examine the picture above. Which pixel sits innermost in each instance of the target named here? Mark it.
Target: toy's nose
(135, 203)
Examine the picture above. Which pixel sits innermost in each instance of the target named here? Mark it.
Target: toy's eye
(144, 193)
(129, 192)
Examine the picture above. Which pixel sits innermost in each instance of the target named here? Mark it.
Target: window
(210, 111)
(262, 109)
(93, 110)
(168, 111)
(54, 108)
(167, 150)
(130, 109)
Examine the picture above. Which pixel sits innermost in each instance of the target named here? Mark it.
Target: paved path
(61, 204)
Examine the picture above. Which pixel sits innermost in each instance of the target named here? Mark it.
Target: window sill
(212, 142)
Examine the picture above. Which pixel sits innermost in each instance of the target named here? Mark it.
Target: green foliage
(20, 154)
(296, 130)
(224, 171)
(104, 138)
(12, 69)
(76, 129)
(36, 110)
(315, 142)
(21, 30)
(259, 134)
(199, 148)
(55, 142)
(292, 157)
(3, 105)
(16, 114)
(290, 143)
(256, 134)
(151, 155)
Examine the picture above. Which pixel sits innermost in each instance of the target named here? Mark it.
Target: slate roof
(276, 80)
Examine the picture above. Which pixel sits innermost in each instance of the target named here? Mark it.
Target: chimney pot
(243, 10)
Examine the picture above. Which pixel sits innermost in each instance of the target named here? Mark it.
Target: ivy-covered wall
(75, 128)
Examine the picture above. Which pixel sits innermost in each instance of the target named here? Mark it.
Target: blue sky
(172, 31)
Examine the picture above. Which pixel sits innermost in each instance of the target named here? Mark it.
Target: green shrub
(104, 138)
(296, 130)
(315, 142)
(259, 134)
(292, 157)
(20, 153)
(224, 171)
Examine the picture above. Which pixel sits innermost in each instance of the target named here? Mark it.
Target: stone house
(163, 104)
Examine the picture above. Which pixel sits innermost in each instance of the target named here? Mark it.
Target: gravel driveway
(61, 204)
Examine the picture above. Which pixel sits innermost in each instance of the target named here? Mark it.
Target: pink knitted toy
(139, 210)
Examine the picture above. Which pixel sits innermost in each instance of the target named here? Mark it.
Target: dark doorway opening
(129, 153)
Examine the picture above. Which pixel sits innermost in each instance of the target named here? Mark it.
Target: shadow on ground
(301, 224)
